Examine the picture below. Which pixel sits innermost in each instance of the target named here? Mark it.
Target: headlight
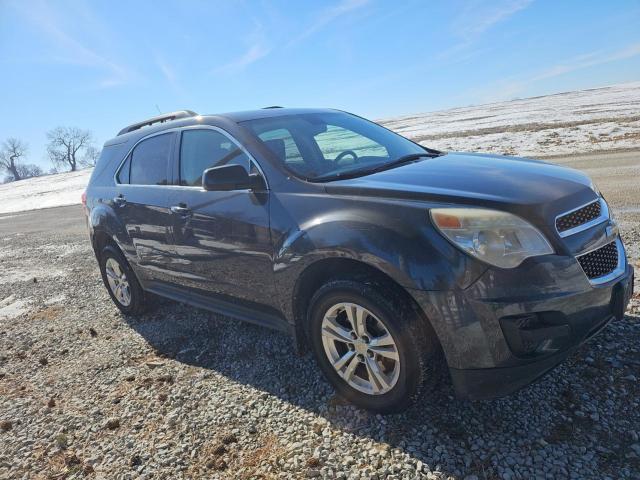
(495, 237)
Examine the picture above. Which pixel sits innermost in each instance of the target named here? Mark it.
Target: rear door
(142, 202)
(222, 238)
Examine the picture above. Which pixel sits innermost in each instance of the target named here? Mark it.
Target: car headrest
(277, 147)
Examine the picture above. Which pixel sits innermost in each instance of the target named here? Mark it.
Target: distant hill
(43, 192)
(606, 118)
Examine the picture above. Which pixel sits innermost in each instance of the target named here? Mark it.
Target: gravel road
(182, 393)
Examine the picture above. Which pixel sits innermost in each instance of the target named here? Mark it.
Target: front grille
(579, 217)
(600, 262)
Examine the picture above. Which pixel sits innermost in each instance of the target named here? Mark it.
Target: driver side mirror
(230, 177)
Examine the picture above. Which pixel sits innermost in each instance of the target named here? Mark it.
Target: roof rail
(273, 106)
(166, 117)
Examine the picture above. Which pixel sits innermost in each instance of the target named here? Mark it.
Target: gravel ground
(181, 393)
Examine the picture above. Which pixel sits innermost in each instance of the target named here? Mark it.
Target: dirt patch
(48, 313)
(239, 463)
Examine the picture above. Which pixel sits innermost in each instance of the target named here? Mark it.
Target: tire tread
(139, 302)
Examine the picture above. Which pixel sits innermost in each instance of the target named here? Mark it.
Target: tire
(130, 299)
(374, 383)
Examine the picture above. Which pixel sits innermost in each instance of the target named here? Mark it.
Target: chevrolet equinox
(394, 263)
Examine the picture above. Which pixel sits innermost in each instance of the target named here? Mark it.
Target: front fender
(405, 247)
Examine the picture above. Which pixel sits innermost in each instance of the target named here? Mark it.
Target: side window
(123, 173)
(281, 143)
(203, 149)
(336, 140)
(149, 161)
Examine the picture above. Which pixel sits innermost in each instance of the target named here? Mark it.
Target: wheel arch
(106, 228)
(340, 268)
(101, 239)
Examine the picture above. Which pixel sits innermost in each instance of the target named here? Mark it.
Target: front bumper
(511, 327)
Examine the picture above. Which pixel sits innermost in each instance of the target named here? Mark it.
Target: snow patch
(63, 250)
(21, 274)
(12, 308)
(55, 300)
(565, 123)
(43, 192)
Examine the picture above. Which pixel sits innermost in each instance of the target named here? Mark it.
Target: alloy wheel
(118, 282)
(360, 348)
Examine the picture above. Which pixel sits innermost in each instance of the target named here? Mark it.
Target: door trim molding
(180, 129)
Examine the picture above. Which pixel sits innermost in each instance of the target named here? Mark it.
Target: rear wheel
(121, 282)
(374, 350)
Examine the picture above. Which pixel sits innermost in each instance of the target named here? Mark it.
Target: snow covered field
(606, 118)
(43, 192)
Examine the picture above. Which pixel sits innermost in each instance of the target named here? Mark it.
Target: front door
(221, 238)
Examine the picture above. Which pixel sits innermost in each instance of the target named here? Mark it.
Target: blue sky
(103, 64)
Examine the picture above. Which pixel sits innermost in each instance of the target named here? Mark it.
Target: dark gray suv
(392, 262)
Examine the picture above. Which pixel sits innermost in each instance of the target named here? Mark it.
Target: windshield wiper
(412, 157)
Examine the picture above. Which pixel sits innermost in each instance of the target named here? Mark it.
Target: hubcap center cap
(360, 346)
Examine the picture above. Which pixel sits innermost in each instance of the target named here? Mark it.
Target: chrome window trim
(604, 216)
(124, 159)
(617, 272)
(181, 129)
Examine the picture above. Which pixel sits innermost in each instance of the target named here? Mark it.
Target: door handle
(181, 209)
(119, 201)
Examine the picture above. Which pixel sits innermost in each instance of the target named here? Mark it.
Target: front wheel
(375, 351)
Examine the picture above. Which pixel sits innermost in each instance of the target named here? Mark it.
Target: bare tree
(11, 152)
(29, 170)
(67, 145)
(91, 155)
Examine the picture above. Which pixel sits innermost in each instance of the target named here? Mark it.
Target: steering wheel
(341, 156)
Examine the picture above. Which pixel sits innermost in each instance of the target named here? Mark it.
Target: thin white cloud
(70, 50)
(169, 74)
(167, 71)
(589, 60)
(510, 88)
(477, 18)
(327, 16)
(257, 48)
(253, 53)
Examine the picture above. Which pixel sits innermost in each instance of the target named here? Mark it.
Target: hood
(468, 178)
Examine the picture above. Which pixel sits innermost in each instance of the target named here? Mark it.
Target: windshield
(329, 145)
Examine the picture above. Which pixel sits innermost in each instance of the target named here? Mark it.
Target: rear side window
(149, 161)
(123, 173)
(203, 149)
(109, 160)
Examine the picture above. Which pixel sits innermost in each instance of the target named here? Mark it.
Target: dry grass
(236, 463)
(64, 465)
(13, 388)
(48, 313)
(268, 451)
